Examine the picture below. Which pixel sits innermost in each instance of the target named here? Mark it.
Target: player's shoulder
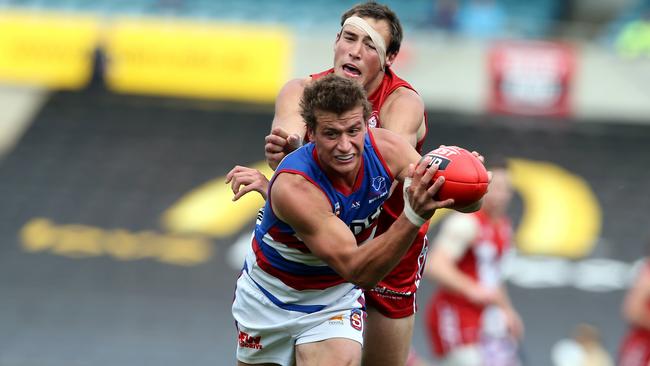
(290, 191)
(404, 96)
(395, 150)
(402, 105)
(462, 222)
(294, 87)
(388, 141)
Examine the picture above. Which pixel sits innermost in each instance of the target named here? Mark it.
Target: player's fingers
(279, 131)
(236, 183)
(294, 141)
(420, 169)
(428, 174)
(232, 173)
(274, 143)
(479, 157)
(240, 193)
(437, 184)
(274, 157)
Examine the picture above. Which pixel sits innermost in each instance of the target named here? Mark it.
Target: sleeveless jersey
(453, 320)
(404, 279)
(283, 268)
(635, 348)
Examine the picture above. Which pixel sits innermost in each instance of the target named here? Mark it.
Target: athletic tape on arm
(377, 39)
(413, 217)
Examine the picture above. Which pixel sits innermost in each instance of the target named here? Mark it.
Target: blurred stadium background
(120, 119)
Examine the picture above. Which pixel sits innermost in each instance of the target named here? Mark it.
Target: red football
(466, 179)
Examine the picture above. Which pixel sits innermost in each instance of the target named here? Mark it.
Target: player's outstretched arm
(288, 127)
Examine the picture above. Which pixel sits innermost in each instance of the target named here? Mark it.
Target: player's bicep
(326, 236)
(404, 114)
(333, 242)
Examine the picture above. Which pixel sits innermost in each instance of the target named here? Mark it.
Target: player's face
(339, 142)
(355, 55)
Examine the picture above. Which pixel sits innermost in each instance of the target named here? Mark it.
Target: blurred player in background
(365, 48)
(470, 319)
(635, 348)
(299, 297)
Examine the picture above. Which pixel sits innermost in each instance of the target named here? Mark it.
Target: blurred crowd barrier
(144, 56)
(250, 62)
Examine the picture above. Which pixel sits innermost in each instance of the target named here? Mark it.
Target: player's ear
(390, 58)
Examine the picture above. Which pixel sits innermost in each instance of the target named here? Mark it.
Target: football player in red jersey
(470, 319)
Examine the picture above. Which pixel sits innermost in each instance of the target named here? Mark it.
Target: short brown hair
(334, 94)
(378, 11)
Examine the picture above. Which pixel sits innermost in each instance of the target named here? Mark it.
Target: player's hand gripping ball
(466, 179)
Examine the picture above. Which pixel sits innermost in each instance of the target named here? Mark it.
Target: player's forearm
(503, 300)
(373, 260)
(441, 269)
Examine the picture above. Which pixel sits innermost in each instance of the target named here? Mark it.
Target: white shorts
(269, 334)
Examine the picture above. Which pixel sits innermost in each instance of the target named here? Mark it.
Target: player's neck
(344, 183)
(374, 84)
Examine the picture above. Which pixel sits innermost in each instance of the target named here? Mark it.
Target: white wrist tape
(413, 217)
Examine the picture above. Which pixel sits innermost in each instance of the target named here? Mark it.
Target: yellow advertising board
(191, 59)
(47, 49)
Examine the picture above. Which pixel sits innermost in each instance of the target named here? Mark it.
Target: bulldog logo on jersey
(379, 184)
(379, 187)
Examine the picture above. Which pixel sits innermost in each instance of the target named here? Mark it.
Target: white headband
(376, 38)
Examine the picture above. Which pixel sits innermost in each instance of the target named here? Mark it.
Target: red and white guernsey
(394, 296)
(452, 320)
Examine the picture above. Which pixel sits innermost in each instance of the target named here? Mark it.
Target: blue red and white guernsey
(282, 266)
(394, 296)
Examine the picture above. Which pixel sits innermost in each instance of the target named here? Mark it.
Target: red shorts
(394, 296)
(635, 350)
(452, 322)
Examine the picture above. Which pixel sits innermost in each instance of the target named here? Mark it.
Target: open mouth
(351, 70)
